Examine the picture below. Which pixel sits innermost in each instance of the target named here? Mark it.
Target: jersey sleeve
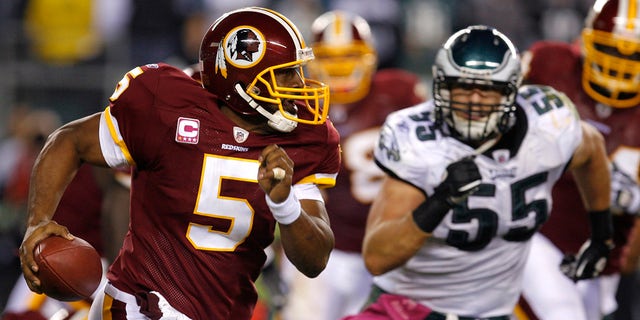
(407, 149)
(326, 171)
(130, 116)
(113, 148)
(136, 119)
(553, 119)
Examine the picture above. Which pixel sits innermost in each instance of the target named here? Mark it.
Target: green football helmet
(477, 57)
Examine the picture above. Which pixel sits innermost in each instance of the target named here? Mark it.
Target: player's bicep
(311, 200)
(81, 135)
(592, 140)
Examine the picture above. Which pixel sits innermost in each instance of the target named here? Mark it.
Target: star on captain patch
(188, 130)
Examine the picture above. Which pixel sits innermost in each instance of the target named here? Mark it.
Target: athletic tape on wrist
(287, 211)
(430, 213)
(601, 225)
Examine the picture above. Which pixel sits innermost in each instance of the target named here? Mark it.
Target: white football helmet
(477, 56)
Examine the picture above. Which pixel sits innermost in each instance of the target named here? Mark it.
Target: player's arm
(305, 234)
(401, 210)
(625, 200)
(64, 151)
(308, 241)
(391, 235)
(590, 167)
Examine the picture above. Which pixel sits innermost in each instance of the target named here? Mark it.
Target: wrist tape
(601, 225)
(286, 211)
(430, 213)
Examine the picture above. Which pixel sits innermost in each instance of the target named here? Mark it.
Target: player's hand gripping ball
(69, 270)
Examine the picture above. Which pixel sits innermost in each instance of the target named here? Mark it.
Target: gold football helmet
(345, 56)
(611, 44)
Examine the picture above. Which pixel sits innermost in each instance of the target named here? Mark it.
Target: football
(69, 270)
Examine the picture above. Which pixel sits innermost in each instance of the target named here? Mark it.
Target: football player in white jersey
(469, 179)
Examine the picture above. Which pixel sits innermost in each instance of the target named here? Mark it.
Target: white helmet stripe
(627, 21)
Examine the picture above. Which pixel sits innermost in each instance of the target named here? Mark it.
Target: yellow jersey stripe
(116, 137)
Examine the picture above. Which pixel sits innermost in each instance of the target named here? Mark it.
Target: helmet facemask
(611, 70)
(611, 50)
(346, 57)
(476, 59)
(347, 70)
(475, 123)
(266, 91)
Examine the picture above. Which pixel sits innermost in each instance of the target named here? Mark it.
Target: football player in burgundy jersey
(469, 179)
(361, 98)
(215, 167)
(602, 78)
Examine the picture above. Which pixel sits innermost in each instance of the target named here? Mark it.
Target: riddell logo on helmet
(244, 47)
(188, 130)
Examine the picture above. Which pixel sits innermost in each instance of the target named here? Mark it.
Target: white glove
(625, 192)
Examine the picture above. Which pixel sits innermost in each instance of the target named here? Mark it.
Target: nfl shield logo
(501, 155)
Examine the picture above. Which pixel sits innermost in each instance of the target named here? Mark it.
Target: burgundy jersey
(560, 66)
(360, 179)
(199, 221)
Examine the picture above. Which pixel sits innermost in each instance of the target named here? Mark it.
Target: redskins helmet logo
(244, 47)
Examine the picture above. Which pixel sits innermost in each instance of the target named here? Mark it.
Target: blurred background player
(94, 207)
(28, 128)
(601, 75)
(468, 182)
(361, 98)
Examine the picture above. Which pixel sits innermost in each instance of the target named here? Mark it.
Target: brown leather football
(69, 270)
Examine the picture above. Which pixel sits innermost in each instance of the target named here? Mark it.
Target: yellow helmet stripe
(633, 13)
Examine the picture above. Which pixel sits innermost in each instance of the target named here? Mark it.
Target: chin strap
(276, 120)
(486, 145)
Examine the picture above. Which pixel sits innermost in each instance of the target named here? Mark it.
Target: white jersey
(473, 263)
